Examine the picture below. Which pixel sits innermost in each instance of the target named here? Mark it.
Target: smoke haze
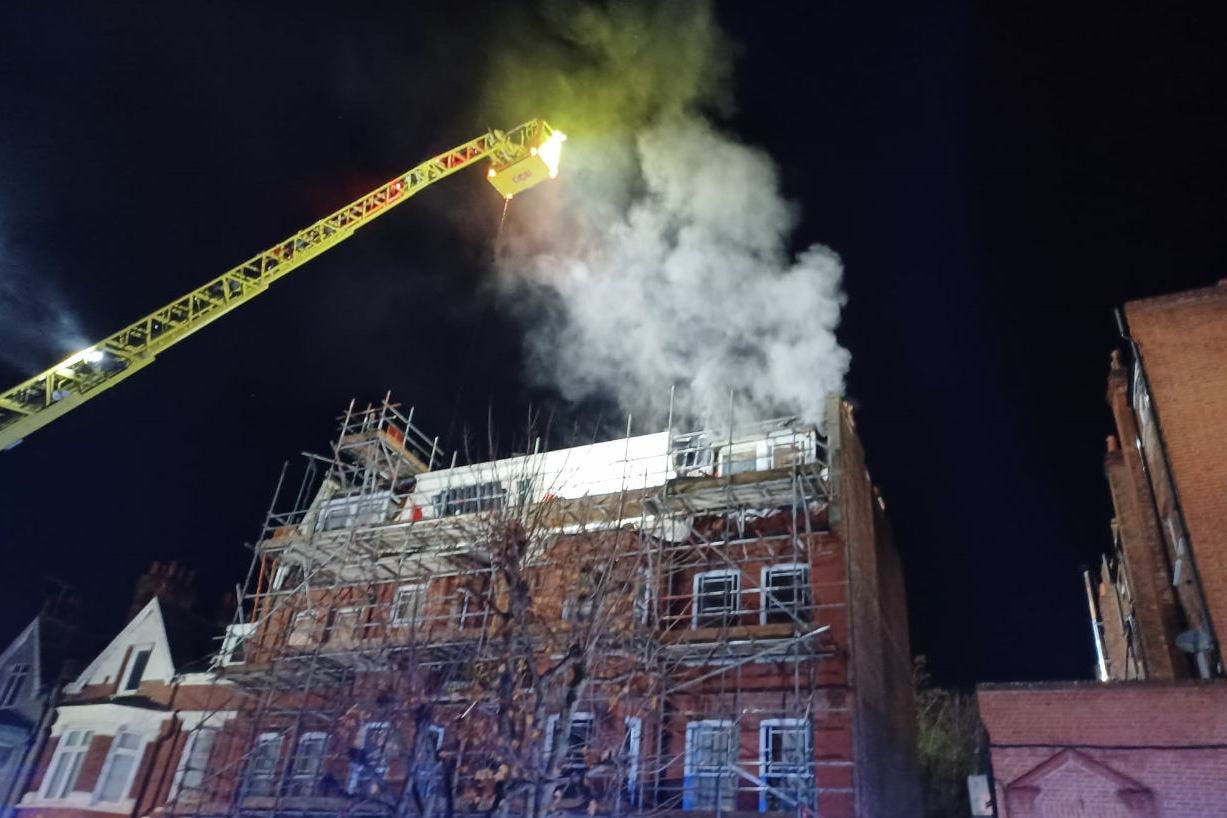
(36, 327)
(661, 257)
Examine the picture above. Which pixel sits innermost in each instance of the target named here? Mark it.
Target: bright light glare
(550, 151)
(90, 356)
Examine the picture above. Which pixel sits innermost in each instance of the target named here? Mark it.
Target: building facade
(1163, 589)
(116, 744)
(703, 622)
(1121, 750)
(1153, 740)
(32, 669)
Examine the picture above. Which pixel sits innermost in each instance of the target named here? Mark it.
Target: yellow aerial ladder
(519, 159)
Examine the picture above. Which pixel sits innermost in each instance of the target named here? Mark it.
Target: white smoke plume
(36, 327)
(660, 259)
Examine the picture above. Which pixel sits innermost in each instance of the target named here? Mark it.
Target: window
(119, 768)
(371, 759)
(741, 460)
(786, 454)
(13, 684)
(262, 765)
(711, 750)
(578, 608)
(344, 626)
(691, 454)
(785, 593)
(643, 599)
(234, 645)
(630, 757)
(469, 608)
(407, 607)
(136, 668)
(784, 746)
(67, 763)
(579, 737)
(308, 762)
(490, 496)
(717, 596)
(302, 630)
(355, 510)
(190, 776)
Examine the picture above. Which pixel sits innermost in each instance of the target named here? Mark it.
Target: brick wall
(1141, 540)
(1121, 749)
(881, 675)
(1182, 341)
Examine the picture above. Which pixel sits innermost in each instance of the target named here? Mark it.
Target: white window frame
(14, 683)
(185, 758)
(237, 635)
(381, 770)
(136, 651)
(418, 592)
(634, 738)
(113, 754)
(552, 722)
(689, 767)
(63, 748)
(764, 749)
(277, 740)
(294, 777)
(779, 568)
(696, 614)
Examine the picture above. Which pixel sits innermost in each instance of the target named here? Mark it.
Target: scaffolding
(624, 627)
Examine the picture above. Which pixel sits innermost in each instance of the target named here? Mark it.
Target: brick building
(32, 669)
(1153, 740)
(1163, 593)
(707, 622)
(115, 745)
(1120, 750)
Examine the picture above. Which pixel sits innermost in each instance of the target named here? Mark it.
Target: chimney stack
(170, 582)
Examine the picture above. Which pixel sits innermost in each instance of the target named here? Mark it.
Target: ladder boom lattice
(35, 402)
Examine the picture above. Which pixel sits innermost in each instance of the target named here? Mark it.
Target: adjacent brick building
(32, 669)
(1163, 595)
(708, 622)
(1120, 750)
(1152, 741)
(116, 741)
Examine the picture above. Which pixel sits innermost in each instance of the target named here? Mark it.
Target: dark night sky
(995, 181)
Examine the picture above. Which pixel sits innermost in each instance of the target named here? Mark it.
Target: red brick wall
(1182, 340)
(1142, 545)
(884, 720)
(1158, 749)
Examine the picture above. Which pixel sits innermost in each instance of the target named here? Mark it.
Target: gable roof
(52, 646)
(180, 643)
